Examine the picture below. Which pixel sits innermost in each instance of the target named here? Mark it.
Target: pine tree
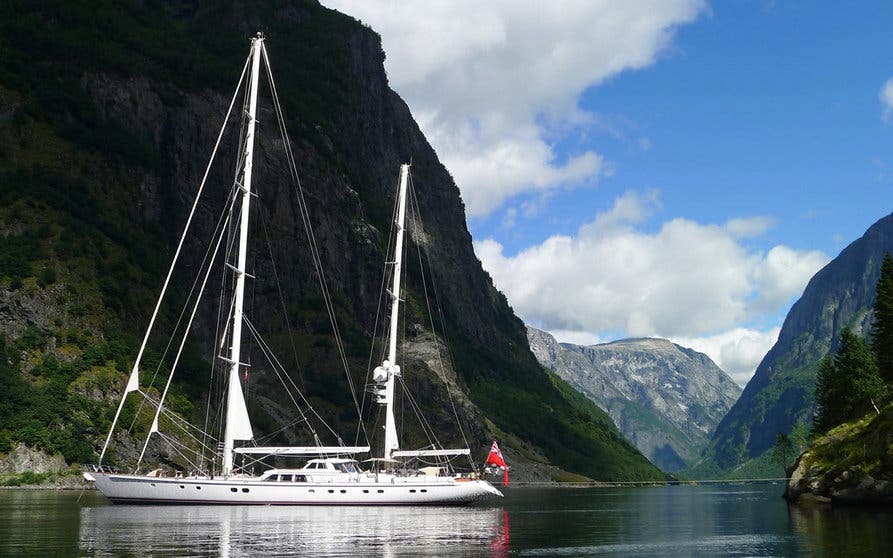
(784, 451)
(847, 385)
(882, 332)
(826, 393)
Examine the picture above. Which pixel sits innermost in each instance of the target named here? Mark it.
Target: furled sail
(238, 423)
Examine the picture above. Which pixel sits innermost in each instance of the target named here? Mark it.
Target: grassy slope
(849, 453)
(57, 158)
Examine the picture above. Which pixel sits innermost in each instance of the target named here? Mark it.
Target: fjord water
(704, 520)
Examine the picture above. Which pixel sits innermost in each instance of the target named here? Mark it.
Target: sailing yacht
(330, 475)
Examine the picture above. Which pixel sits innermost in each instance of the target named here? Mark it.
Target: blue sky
(673, 168)
(755, 110)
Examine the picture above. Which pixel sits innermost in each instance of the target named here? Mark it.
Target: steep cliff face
(781, 392)
(105, 133)
(666, 399)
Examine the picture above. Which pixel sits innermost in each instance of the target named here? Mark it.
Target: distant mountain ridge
(780, 393)
(664, 398)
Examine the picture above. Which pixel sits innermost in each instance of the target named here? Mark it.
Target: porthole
(234, 489)
(181, 486)
(365, 491)
(412, 490)
(244, 490)
(380, 491)
(343, 491)
(331, 491)
(423, 490)
(198, 488)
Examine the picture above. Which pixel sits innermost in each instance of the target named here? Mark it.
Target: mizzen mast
(386, 374)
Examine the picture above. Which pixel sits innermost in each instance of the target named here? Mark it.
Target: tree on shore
(784, 451)
(882, 331)
(848, 384)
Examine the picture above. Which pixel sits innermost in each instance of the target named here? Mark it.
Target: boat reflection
(290, 531)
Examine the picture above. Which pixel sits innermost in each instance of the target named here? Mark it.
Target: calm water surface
(709, 520)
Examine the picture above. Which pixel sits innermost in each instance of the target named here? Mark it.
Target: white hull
(360, 491)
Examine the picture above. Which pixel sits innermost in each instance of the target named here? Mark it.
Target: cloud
(582, 338)
(684, 280)
(737, 351)
(489, 81)
(750, 226)
(783, 272)
(886, 97)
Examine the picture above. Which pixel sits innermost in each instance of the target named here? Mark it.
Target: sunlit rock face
(666, 399)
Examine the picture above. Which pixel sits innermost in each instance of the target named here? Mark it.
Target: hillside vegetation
(107, 117)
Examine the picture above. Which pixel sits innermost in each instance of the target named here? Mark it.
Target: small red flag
(495, 458)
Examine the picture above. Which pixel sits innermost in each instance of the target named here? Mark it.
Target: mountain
(107, 118)
(780, 394)
(664, 398)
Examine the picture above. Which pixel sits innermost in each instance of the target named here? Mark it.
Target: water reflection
(832, 531)
(289, 531)
(713, 520)
(38, 523)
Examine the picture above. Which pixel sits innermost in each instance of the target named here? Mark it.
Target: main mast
(389, 370)
(238, 426)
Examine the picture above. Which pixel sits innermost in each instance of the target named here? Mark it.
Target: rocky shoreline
(851, 465)
(811, 484)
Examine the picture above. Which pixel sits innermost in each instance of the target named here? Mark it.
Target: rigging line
(215, 390)
(382, 291)
(314, 249)
(427, 429)
(183, 342)
(173, 444)
(291, 337)
(272, 357)
(176, 257)
(402, 354)
(218, 227)
(330, 309)
(177, 420)
(262, 440)
(265, 349)
(168, 414)
(213, 363)
(419, 223)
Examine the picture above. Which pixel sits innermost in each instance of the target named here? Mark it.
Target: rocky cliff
(666, 399)
(781, 391)
(107, 118)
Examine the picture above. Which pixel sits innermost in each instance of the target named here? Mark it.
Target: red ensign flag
(495, 458)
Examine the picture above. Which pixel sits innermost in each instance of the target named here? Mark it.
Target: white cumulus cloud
(487, 81)
(582, 338)
(737, 351)
(686, 280)
(886, 97)
(749, 226)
